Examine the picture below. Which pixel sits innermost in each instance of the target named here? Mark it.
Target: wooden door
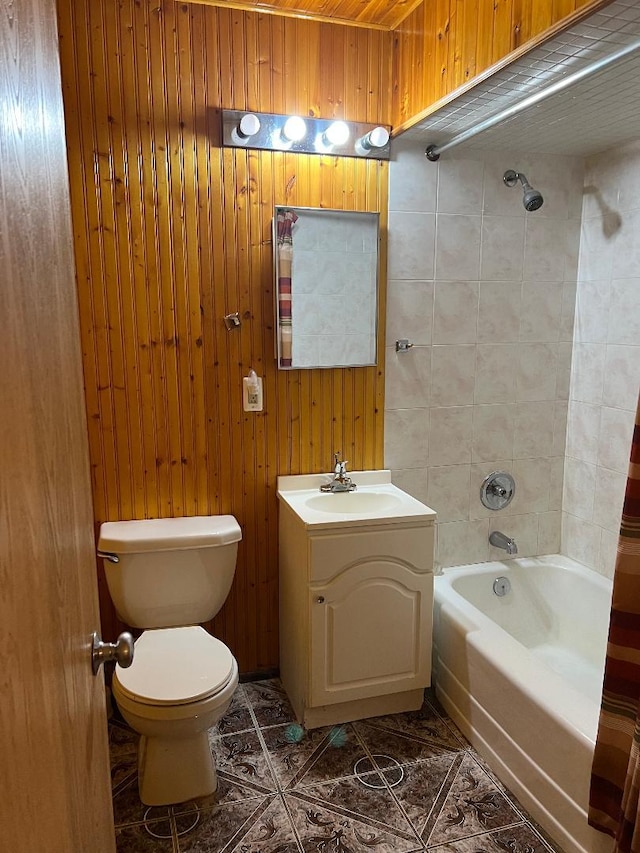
(54, 783)
(370, 632)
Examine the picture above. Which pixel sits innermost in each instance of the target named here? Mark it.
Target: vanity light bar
(304, 135)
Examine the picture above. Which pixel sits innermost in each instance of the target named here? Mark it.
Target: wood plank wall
(172, 232)
(445, 44)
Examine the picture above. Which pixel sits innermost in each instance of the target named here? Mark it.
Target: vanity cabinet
(355, 616)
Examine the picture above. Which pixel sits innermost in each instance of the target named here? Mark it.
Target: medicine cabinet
(326, 286)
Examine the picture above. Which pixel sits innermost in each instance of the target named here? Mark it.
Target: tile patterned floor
(407, 782)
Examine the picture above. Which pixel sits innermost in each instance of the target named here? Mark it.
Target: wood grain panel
(375, 14)
(459, 43)
(56, 792)
(172, 232)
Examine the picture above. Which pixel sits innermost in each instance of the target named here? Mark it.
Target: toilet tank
(167, 572)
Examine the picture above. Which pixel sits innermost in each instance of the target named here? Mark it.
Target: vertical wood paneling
(172, 232)
(457, 41)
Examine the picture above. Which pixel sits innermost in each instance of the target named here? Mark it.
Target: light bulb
(294, 129)
(376, 138)
(337, 133)
(249, 125)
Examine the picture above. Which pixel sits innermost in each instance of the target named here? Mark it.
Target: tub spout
(499, 540)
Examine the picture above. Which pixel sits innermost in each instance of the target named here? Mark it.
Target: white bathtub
(521, 675)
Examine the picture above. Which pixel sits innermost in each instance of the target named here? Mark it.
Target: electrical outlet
(252, 395)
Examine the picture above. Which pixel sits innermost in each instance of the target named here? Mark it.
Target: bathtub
(521, 675)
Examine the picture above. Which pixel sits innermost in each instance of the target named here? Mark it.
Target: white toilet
(167, 575)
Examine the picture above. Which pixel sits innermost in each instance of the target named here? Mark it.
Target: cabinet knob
(320, 599)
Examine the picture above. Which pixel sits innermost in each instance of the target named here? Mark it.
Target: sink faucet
(341, 482)
(499, 540)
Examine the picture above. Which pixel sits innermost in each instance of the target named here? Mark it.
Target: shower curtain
(614, 802)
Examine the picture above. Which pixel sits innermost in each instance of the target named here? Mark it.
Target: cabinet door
(370, 632)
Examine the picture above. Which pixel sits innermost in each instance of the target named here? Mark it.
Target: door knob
(121, 651)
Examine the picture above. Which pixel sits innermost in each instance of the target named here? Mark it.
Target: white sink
(353, 502)
(375, 499)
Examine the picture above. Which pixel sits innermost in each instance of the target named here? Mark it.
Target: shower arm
(433, 152)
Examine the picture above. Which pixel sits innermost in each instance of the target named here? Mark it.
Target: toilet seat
(175, 666)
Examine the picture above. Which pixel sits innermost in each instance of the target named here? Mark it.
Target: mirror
(326, 285)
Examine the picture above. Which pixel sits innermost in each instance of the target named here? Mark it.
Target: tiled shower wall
(485, 292)
(606, 361)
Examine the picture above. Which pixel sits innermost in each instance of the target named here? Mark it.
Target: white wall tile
(455, 312)
(608, 553)
(596, 252)
(461, 542)
(614, 443)
(450, 435)
(609, 498)
(457, 246)
(407, 378)
(579, 488)
(496, 366)
(567, 318)
(549, 532)
(413, 481)
(583, 431)
(556, 482)
(411, 245)
(460, 185)
(493, 432)
(536, 372)
(624, 312)
(532, 478)
(448, 492)
(406, 438)
(592, 311)
(560, 416)
(534, 429)
(499, 311)
(453, 370)
(411, 186)
(580, 540)
(545, 252)
(410, 312)
(629, 181)
(621, 376)
(502, 248)
(541, 311)
(626, 258)
(587, 372)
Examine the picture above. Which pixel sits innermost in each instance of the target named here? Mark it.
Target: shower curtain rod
(433, 152)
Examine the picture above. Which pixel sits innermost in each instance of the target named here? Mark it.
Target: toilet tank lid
(168, 534)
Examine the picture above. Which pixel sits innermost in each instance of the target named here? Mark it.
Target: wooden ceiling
(376, 14)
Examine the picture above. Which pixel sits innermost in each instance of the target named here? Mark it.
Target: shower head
(531, 199)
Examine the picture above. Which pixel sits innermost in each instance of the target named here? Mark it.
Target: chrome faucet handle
(497, 490)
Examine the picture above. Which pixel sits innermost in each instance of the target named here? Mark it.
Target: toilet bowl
(166, 576)
(180, 684)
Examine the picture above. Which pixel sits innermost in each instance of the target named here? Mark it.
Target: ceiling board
(377, 14)
(598, 113)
